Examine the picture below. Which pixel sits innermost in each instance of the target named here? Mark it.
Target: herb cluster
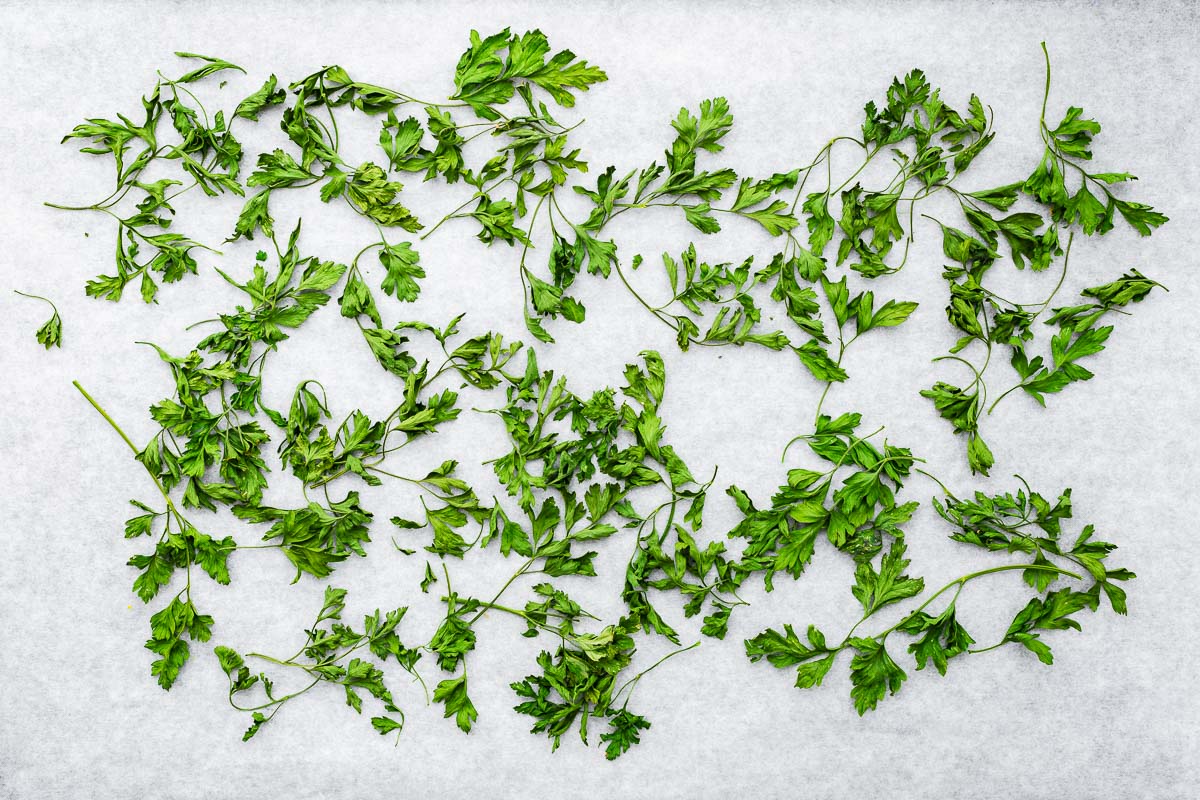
(586, 467)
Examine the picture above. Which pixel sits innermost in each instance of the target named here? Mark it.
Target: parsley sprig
(51, 333)
(208, 154)
(329, 643)
(1021, 523)
(986, 319)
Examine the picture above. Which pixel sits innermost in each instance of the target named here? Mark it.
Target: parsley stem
(278, 701)
(524, 568)
(842, 346)
(449, 216)
(674, 504)
(1006, 393)
(467, 202)
(94, 207)
(1046, 93)
(823, 154)
(978, 374)
(934, 478)
(38, 297)
(201, 322)
(128, 441)
(506, 609)
(411, 99)
(529, 618)
(101, 205)
(870, 155)
(273, 660)
(632, 682)
(657, 313)
(1061, 278)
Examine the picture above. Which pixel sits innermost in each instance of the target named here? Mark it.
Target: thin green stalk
(128, 441)
(632, 682)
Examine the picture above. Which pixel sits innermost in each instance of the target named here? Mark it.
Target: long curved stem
(38, 297)
(1046, 93)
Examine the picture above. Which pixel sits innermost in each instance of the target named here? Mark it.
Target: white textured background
(1116, 716)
